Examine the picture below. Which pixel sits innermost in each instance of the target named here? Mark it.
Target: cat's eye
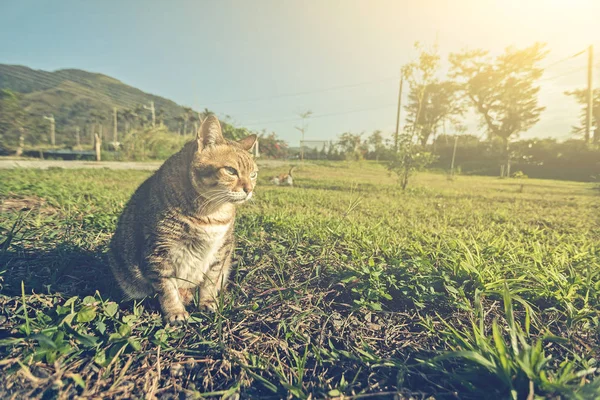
(253, 175)
(230, 171)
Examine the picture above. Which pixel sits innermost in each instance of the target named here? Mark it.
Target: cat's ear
(209, 133)
(248, 142)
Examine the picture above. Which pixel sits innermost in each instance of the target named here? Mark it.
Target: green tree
(435, 102)
(409, 159)
(159, 115)
(98, 118)
(272, 147)
(376, 145)
(141, 116)
(502, 90)
(205, 113)
(193, 120)
(419, 74)
(180, 119)
(430, 101)
(128, 116)
(350, 145)
(580, 96)
(187, 113)
(12, 117)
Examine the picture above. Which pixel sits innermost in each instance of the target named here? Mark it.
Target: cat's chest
(197, 251)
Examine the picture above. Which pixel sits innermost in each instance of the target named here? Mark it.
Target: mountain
(80, 98)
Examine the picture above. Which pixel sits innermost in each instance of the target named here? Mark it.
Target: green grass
(344, 286)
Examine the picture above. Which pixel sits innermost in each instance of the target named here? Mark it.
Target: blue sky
(221, 55)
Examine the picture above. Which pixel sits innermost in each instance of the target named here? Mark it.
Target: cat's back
(151, 199)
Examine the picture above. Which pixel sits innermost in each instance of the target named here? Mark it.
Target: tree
(409, 159)
(419, 75)
(98, 118)
(205, 114)
(193, 119)
(302, 129)
(232, 133)
(350, 145)
(128, 116)
(272, 147)
(430, 101)
(180, 123)
(159, 115)
(140, 113)
(440, 101)
(375, 143)
(580, 96)
(501, 90)
(12, 117)
(187, 112)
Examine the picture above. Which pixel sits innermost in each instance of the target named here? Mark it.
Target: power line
(564, 74)
(120, 92)
(323, 115)
(77, 90)
(54, 83)
(565, 59)
(304, 92)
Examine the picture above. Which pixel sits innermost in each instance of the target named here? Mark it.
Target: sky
(261, 63)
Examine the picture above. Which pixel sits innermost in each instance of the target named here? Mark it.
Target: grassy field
(477, 288)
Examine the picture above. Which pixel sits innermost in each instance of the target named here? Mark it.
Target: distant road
(148, 166)
(45, 164)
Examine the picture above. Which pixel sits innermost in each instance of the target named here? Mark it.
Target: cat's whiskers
(207, 196)
(215, 201)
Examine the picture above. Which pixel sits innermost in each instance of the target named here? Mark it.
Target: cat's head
(222, 171)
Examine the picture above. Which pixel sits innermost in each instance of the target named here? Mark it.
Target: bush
(410, 159)
(151, 144)
(519, 175)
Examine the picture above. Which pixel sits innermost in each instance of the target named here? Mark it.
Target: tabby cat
(176, 233)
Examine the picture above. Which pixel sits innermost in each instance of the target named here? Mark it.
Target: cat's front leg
(161, 272)
(171, 302)
(214, 281)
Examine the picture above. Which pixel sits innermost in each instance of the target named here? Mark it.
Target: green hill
(79, 98)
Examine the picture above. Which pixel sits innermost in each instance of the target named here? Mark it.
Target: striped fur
(176, 233)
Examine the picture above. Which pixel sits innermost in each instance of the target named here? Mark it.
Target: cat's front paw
(177, 317)
(210, 306)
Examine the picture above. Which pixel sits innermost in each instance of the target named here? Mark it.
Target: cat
(175, 235)
(284, 179)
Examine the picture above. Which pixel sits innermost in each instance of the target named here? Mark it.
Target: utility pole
(98, 146)
(115, 137)
(52, 132)
(151, 108)
(77, 140)
(302, 130)
(19, 152)
(256, 152)
(590, 96)
(301, 141)
(453, 155)
(398, 114)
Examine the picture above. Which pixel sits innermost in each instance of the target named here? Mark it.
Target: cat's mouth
(239, 197)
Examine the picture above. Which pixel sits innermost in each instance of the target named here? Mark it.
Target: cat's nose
(247, 188)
